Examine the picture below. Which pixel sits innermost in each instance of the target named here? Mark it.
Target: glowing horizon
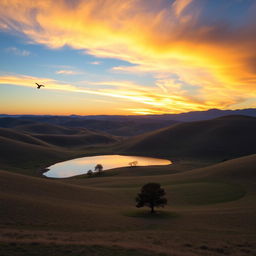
(127, 57)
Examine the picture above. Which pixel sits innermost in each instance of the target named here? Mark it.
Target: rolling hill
(118, 126)
(78, 140)
(211, 209)
(29, 147)
(66, 136)
(122, 126)
(27, 157)
(20, 137)
(220, 138)
(211, 212)
(45, 128)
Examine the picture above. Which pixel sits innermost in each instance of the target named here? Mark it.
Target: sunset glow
(127, 57)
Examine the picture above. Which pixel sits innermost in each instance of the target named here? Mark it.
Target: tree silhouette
(90, 173)
(133, 164)
(151, 195)
(98, 168)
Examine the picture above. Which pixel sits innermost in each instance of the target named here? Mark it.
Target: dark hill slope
(27, 151)
(242, 170)
(225, 137)
(64, 136)
(77, 140)
(44, 134)
(115, 125)
(46, 203)
(10, 122)
(20, 137)
(21, 155)
(44, 128)
(122, 127)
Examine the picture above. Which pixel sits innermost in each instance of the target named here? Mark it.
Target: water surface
(84, 164)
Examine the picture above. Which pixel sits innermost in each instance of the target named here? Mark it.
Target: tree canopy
(99, 168)
(151, 195)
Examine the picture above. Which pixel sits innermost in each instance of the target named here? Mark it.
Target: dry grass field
(220, 138)
(211, 195)
(211, 211)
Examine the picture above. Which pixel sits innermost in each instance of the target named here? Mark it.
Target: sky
(132, 57)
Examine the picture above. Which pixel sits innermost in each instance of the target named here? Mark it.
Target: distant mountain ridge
(119, 125)
(183, 117)
(210, 114)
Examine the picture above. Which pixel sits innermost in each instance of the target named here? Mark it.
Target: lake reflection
(83, 165)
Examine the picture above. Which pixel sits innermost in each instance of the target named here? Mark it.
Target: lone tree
(98, 168)
(133, 164)
(90, 173)
(151, 195)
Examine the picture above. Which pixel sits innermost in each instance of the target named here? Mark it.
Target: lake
(84, 164)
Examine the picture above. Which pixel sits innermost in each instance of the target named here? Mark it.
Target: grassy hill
(211, 211)
(20, 137)
(34, 146)
(10, 122)
(122, 127)
(115, 125)
(28, 157)
(45, 128)
(221, 138)
(64, 136)
(78, 140)
(211, 207)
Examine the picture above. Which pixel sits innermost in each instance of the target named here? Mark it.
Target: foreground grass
(210, 211)
(37, 249)
(148, 215)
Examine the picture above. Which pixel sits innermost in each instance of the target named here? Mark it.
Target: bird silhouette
(39, 85)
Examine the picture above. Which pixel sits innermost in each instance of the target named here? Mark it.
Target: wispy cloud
(157, 100)
(67, 72)
(29, 81)
(95, 62)
(19, 52)
(165, 38)
(179, 6)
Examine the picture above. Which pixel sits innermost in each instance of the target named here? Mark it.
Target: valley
(211, 197)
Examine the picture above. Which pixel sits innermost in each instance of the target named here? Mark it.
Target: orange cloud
(158, 101)
(161, 37)
(29, 81)
(179, 6)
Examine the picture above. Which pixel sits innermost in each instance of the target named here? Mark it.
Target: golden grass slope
(211, 210)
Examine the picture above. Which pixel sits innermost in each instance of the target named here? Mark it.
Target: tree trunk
(152, 209)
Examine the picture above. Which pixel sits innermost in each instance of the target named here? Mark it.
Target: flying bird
(39, 85)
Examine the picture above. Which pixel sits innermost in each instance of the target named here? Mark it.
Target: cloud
(18, 52)
(180, 6)
(172, 99)
(95, 62)
(212, 54)
(29, 81)
(67, 72)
